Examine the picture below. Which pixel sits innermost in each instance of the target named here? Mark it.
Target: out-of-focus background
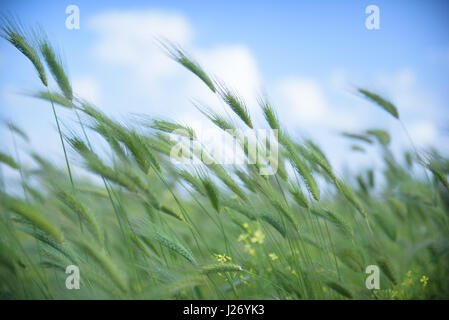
(307, 56)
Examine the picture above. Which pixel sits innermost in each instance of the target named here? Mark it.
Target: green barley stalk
(29, 213)
(54, 63)
(59, 74)
(381, 102)
(73, 203)
(382, 136)
(235, 103)
(106, 263)
(221, 267)
(357, 136)
(211, 192)
(18, 131)
(178, 55)
(391, 109)
(174, 246)
(440, 175)
(301, 168)
(339, 289)
(13, 33)
(54, 97)
(8, 160)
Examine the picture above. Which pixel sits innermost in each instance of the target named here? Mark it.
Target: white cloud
(128, 38)
(306, 102)
(418, 108)
(400, 87)
(305, 99)
(235, 66)
(423, 133)
(87, 88)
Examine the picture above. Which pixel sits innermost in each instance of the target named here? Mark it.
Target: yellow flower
(394, 293)
(244, 280)
(222, 258)
(410, 282)
(424, 280)
(273, 256)
(292, 271)
(242, 237)
(258, 237)
(250, 250)
(245, 225)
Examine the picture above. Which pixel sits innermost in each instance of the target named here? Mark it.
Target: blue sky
(306, 55)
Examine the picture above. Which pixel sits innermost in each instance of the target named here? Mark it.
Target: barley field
(140, 226)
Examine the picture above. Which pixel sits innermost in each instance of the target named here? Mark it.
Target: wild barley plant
(157, 230)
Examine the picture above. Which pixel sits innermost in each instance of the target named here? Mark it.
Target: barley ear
(356, 136)
(235, 103)
(438, 174)
(76, 205)
(217, 119)
(339, 289)
(11, 31)
(174, 246)
(221, 267)
(182, 58)
(183, 284)
(384, 104)
(269, 114)
(29, 213)
(274, 222)
(106, 263)
(55, 65)
(173, 127)
(350, 259)
(298, 195)
(8, 160)
(53, 97)
(18, 131)
(384, 265)
(351, 197)
(301, 167)
(211, 192)
(382, 136)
